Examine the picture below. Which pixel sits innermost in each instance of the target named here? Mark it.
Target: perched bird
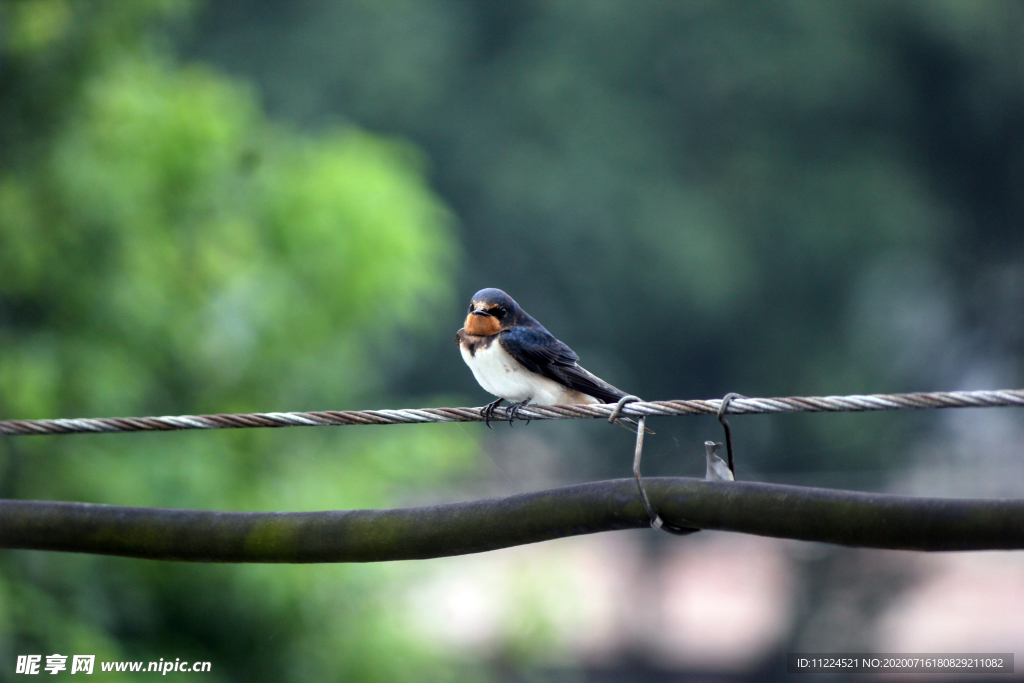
(513, 357)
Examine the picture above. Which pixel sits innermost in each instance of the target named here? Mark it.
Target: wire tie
(628, 398)
(728, 430)
(656, 521)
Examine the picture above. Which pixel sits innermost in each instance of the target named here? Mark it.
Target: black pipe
(842, 517)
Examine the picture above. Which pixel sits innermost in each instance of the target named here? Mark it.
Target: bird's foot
(487, 412)
(513, 411)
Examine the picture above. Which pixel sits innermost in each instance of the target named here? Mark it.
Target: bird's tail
(630, 424)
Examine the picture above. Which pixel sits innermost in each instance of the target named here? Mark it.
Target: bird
(516, 359)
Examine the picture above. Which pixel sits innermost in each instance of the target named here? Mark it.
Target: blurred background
(232, 206)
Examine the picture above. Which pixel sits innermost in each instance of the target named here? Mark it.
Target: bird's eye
(502, 311)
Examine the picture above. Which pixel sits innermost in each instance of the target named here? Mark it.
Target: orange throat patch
(482, 325)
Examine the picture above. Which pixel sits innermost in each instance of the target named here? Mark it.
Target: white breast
(502, 375)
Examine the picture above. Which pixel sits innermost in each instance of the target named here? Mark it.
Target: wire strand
(737, 406)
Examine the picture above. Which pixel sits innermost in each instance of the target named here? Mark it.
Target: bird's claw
(513, 411)
(487, 412)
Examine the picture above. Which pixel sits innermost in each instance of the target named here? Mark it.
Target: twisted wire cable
(737, 406)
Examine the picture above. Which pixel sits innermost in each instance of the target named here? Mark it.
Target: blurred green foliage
(785, 197)
(166, 249)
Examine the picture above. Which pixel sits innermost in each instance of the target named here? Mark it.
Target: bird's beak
(480, 311)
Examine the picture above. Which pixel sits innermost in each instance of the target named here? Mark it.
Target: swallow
(515, 358)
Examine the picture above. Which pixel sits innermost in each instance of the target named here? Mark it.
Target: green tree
(164, 248)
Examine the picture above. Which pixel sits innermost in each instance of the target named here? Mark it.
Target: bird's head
(492, 311)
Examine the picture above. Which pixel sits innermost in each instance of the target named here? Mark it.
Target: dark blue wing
(536, 348)
(539, 351)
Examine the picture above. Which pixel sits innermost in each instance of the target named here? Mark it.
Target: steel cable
(737, 406)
